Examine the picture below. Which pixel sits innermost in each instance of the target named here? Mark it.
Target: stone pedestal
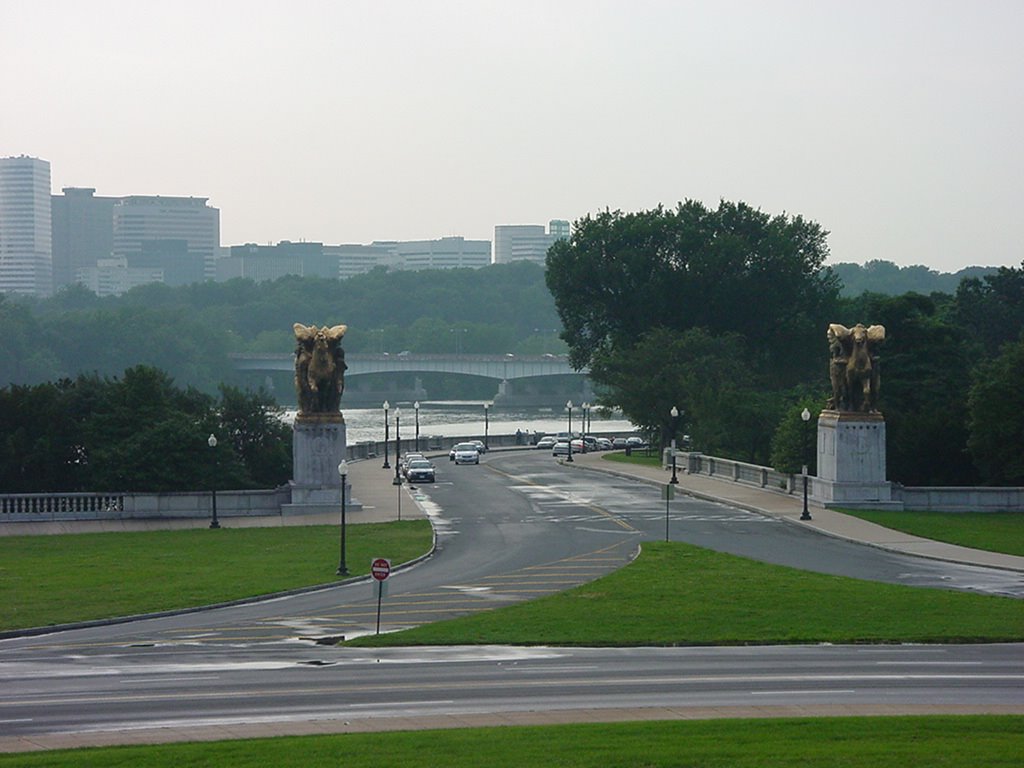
(318, 446)
(851, 461)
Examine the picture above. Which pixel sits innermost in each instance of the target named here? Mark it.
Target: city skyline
(893, 125)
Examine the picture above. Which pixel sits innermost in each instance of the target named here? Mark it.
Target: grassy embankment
(883, 742)
(46, 580)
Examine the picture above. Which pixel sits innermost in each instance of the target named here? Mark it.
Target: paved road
(517, 527)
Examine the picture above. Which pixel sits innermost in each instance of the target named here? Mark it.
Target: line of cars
(559, 444)
(417, 468)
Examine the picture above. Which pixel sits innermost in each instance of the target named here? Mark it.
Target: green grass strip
(679, 594)
(855, 742)
(991, 531)
(46, 580)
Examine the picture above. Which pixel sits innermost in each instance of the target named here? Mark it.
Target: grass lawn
(47, 580)
(679, 594)
(935, 742)
(992, 531)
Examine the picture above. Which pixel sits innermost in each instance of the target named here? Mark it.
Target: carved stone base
(851, 461)
(318, 446)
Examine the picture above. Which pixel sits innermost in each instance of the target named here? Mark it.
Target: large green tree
(996, 406)
(734, 269)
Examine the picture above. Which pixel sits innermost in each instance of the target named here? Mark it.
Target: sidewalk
(789, 508)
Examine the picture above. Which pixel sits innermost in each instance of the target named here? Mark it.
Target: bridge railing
(738, 471)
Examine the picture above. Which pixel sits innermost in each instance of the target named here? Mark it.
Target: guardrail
(695, 463)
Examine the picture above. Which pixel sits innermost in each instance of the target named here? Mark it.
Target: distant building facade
(149, 231)
(26, 233)
(527, 242)
(358, 259)
(269, 262)
(445, 253)
(112, 276)
(83, 232)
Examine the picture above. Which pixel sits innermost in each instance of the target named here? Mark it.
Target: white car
(548, 441)
(465, 453)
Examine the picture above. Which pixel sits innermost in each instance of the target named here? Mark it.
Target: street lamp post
(387, 437)
(343, 471)
(212, 442)
(416, 407)
(568, 407)
(487, 408)
(398, 447)
(674, 413)
(806, 416)
(585, 407)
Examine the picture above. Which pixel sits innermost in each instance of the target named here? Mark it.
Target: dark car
(419, 471)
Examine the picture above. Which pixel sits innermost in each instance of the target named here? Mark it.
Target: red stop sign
(380, 569)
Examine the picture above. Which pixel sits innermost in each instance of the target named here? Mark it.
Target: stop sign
(380, 569)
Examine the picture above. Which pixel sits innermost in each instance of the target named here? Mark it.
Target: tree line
(138, 432)
(721, 313)
(189, 331)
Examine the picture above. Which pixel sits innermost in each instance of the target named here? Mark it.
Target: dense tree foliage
(890, 279)
(137, 433)
(724, 313)
(729, 270)
(996, 407)
(189, 330)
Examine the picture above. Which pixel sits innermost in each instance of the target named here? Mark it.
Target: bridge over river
(519, 378)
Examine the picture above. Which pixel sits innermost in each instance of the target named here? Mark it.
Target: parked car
(619, 442)
(561, 448)
(548, 442)
(465, 453)
(404, 465)
(604, 444)
(636, 442)
(419, 471)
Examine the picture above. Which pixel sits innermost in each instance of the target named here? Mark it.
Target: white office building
(445, 253)
(527, 242)
(180, 234)
(26, 255)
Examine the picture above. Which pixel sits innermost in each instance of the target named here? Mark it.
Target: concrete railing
(48, 507)
(727, 469)
(960, 499)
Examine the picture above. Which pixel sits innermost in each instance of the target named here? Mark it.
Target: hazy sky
(898, 125)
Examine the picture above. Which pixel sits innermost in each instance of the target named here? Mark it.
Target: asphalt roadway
(563, 525)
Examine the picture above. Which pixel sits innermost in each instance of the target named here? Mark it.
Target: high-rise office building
(444, 253)
(527, 242)
(83, 233)
(139, 219)
(26, 256)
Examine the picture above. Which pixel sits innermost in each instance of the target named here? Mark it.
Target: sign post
(667, 493)
(380, 569)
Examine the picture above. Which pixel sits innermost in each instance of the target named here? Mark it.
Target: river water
(466, 419)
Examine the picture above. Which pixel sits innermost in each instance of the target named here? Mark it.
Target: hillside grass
(876, 742)
(991, 531)
(47, 580)
(680, 594)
